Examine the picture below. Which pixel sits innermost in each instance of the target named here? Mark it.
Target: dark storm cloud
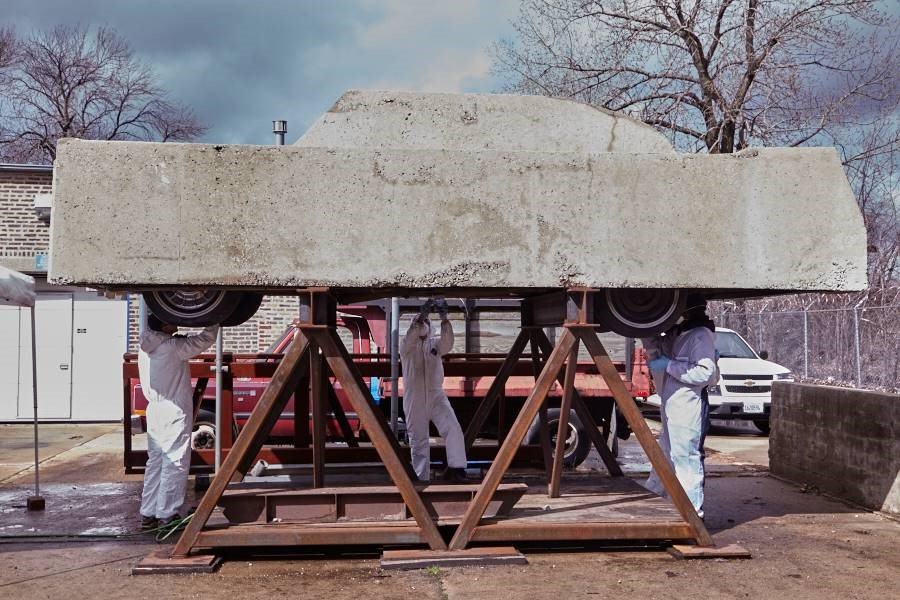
(240, 65)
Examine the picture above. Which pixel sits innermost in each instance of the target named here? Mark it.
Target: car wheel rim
(642, 308)
(190, 303)
(203, 438)
(571, 438)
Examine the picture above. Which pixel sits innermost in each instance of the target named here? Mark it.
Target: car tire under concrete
(247, 307)
(640, 312)
(201, 308)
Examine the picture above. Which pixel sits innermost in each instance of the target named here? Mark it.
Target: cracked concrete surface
(455, 191)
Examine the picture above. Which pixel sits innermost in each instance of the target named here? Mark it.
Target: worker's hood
(151, 340)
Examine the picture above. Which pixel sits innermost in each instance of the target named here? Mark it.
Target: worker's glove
(425, 310)
(659, 363)
(442, 308)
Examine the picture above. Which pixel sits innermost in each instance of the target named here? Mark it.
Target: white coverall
(166, 382)
(424, 399)
(684, 413)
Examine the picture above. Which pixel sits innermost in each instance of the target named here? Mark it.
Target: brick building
(81, 333)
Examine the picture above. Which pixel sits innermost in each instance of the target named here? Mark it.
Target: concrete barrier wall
(844, 441)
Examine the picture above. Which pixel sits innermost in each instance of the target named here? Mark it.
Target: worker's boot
(170, 522)
(148, 523)
(455, 475)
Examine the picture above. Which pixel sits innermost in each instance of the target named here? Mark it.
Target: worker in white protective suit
(683, 364)
(424, 400)
(166, 383)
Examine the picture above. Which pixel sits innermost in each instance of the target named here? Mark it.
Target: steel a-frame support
(315, 342)
(575, 312)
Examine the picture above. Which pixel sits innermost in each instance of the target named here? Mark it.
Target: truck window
(730, 345)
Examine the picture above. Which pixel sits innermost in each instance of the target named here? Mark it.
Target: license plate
(753, 407)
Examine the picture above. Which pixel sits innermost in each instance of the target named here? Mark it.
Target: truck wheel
(762, 425)
(203, 435)
(192, 308)
(639, 312)
(578, 444)
(247, 307)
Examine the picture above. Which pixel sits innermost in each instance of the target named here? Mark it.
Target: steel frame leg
(563, 428)
(584, 413)
(251, 438)
(633, 415)
(496, 390)
(385, 444)
(513, 439)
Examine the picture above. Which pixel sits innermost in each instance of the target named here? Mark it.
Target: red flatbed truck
(468, 376)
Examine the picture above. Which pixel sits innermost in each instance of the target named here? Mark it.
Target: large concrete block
(477, 122)
(137, 215)
(844, 441)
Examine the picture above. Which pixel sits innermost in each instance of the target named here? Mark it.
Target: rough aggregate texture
(476, 122)
(426, 208)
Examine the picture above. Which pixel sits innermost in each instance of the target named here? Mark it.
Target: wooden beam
(633, 415)
(513, 440)
(373, 422)
(251, 438)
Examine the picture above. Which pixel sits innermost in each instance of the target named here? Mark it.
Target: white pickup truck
(744, 390)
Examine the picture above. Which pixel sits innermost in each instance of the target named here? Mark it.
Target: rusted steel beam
(513, 439)
(546, 310)
(199, 389)
(305, 535)
(388, 449)
(302, 437)
(497, 387)
(340, 416)
(258, 503)
(563, 428)
(537, 365)
(633, 415)
(587, 419)
(526, 456)
(317, 401)
(250, 439)
(516, 530)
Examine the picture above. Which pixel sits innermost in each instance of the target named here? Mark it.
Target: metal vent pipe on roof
(279, 128)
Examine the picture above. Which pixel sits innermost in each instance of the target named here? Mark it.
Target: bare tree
(69, 82)
(717, 75)
(7, 48)
(871, 159)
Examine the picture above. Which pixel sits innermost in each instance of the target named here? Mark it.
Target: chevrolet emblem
(749, 382)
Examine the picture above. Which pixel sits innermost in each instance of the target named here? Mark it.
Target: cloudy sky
(241, 64)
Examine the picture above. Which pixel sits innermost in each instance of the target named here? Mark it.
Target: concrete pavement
(804, 545)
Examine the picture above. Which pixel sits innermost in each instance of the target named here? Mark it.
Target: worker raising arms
(424, 400)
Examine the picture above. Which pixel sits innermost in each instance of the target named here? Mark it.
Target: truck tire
(639, 312)
(203, 434)
(192, 308)
(246, 308)
(578, 444)
(762, 425)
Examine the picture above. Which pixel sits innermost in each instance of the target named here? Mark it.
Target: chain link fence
(843, 346)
